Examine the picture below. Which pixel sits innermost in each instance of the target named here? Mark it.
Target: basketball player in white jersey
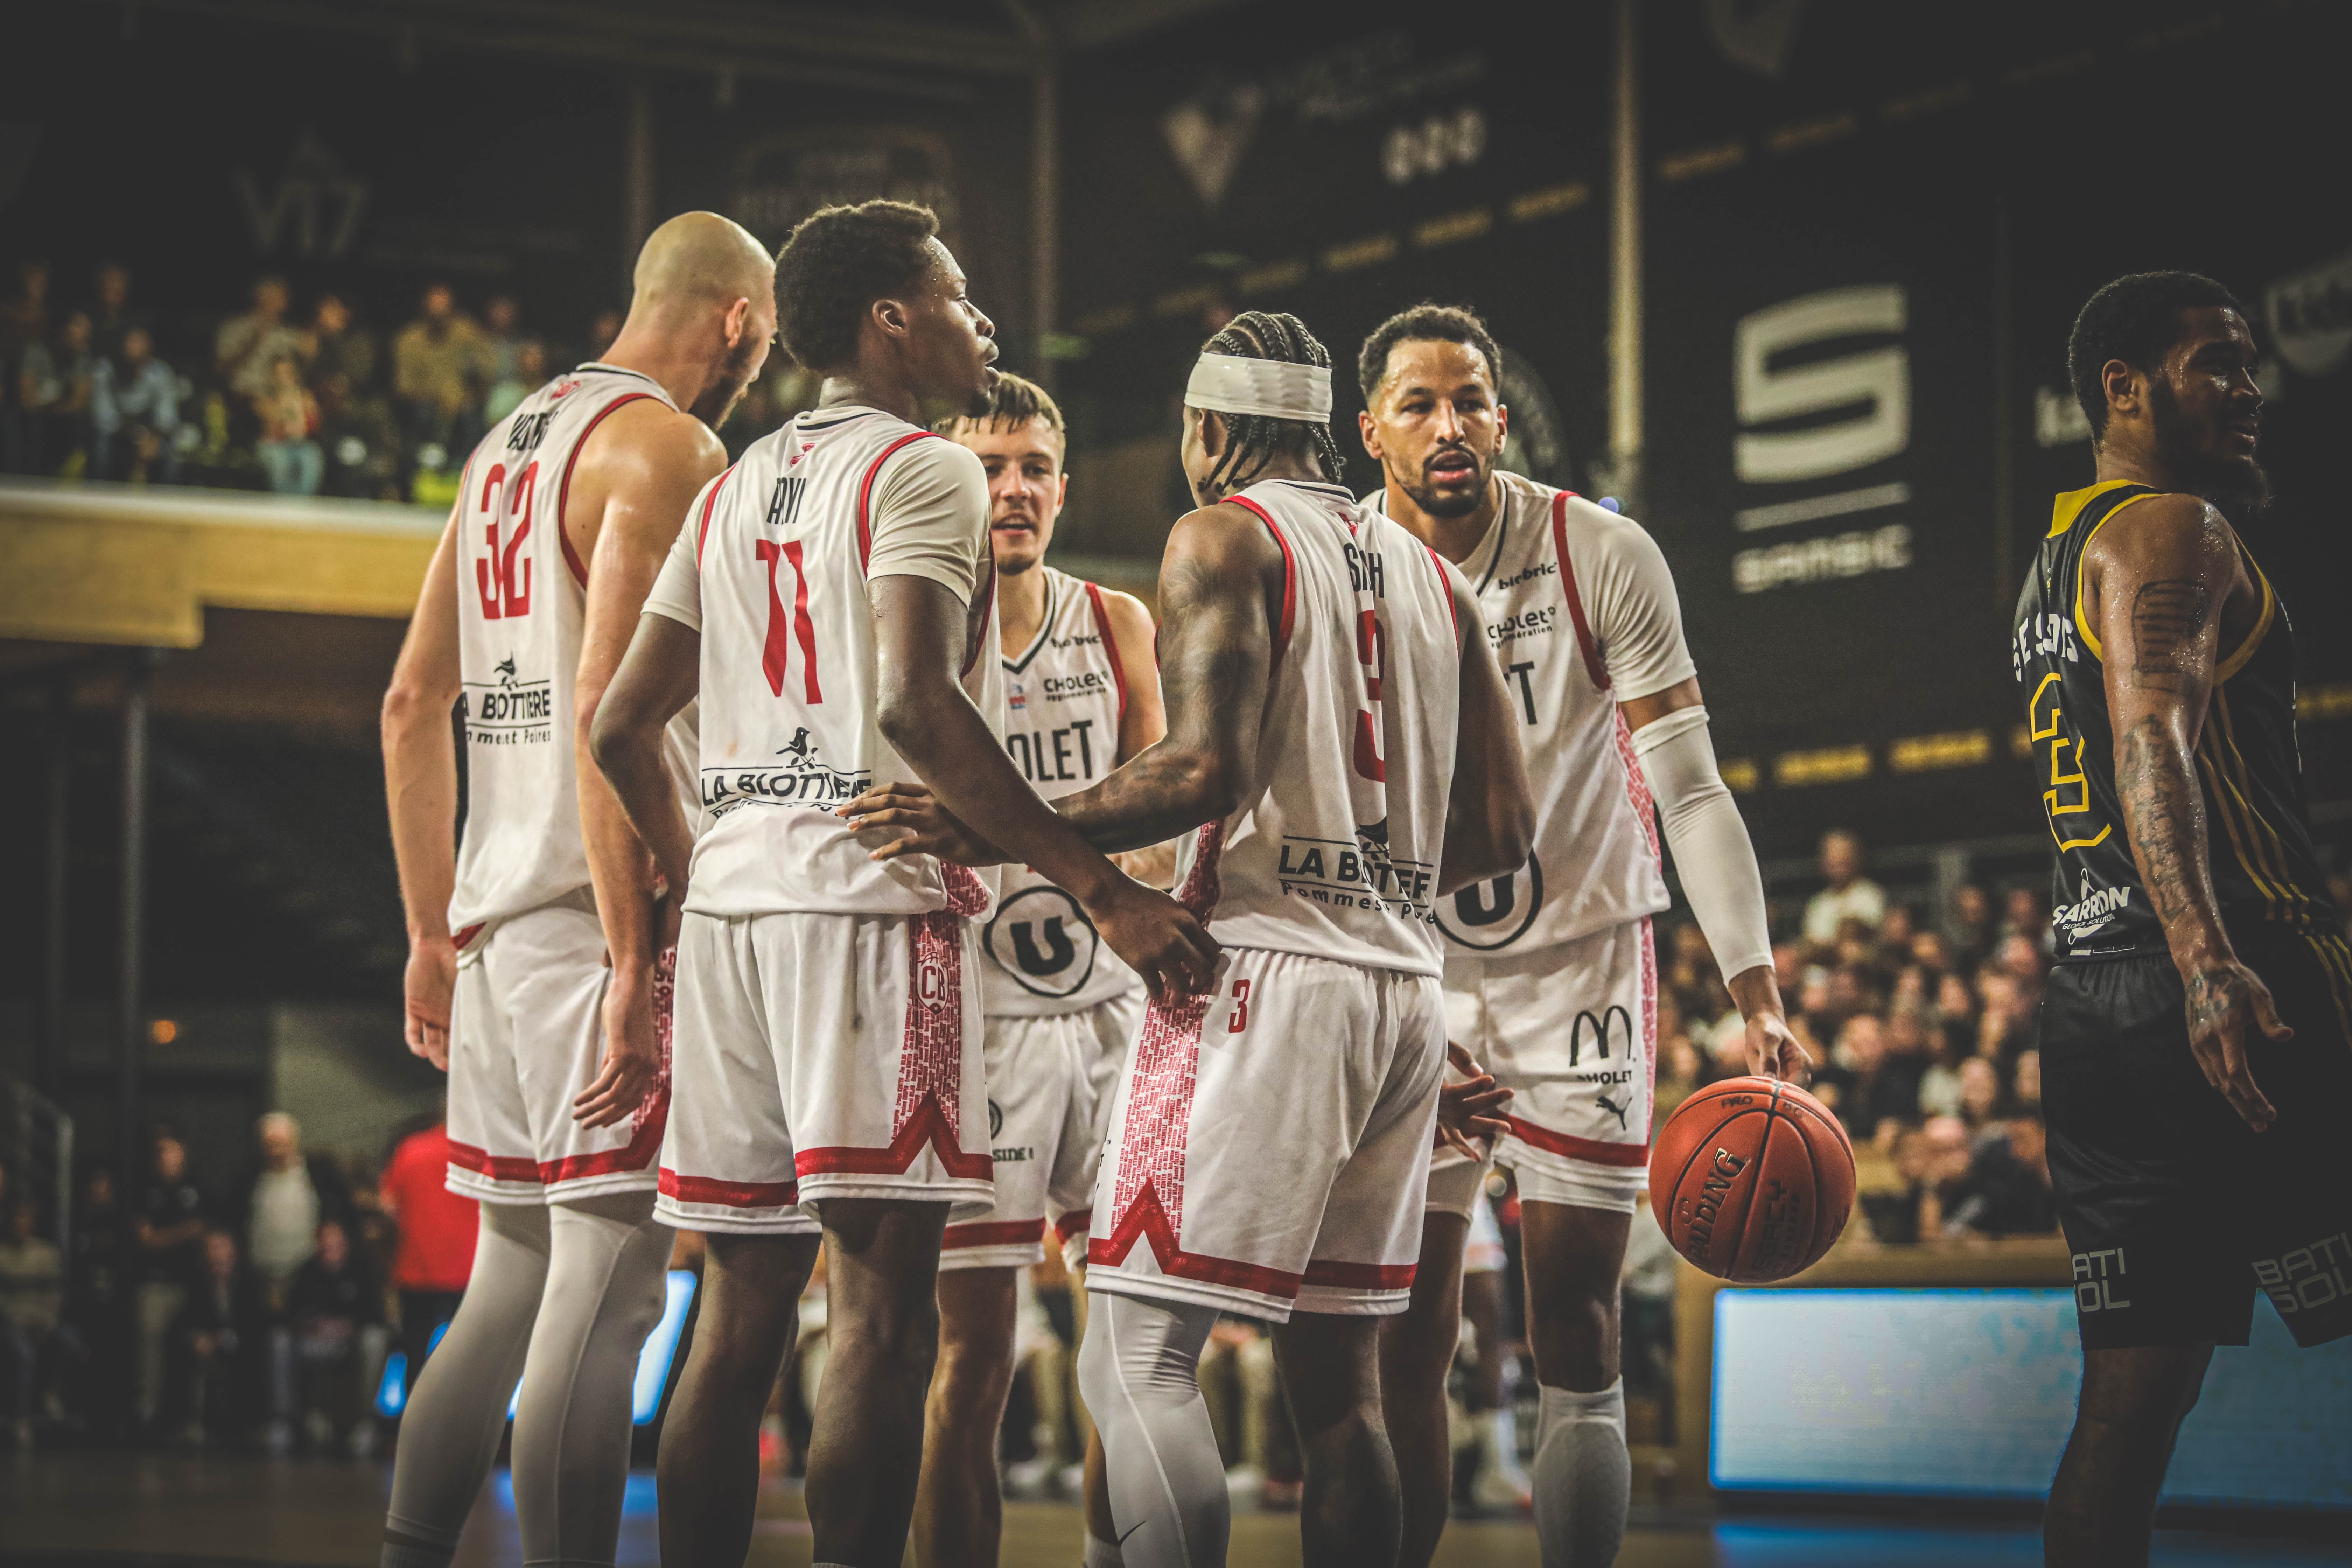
(1336, 721)
(543, 1015)
(1082, 696)
(1551, 977)
(829, 601)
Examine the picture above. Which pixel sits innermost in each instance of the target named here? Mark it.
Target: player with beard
(830, 607)
(2195, 1057)
(1551, 977)
(536, 967)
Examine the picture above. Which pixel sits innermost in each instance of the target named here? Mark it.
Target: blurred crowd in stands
(301, 397)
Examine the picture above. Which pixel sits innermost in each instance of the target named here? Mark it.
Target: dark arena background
(1790, 281)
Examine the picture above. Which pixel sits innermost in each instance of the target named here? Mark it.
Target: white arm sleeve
(678, 589)
(930, 516)
(1710, 842)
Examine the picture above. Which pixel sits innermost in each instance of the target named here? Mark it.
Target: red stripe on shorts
(499, 1168)
(1360, 1276)
(1589, 1150)
(1146, 1219)
(993, 1233)
(730, 1195)
(1078, 1221)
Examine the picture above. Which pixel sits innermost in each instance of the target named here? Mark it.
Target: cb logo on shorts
(1600, 1026)
(931, 984)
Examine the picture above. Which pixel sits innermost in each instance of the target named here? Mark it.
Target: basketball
(1751, 1179)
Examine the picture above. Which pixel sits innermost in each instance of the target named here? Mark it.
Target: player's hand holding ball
(1752, 1179)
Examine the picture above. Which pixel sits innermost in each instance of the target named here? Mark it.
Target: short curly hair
(2137, 320)
(838, 262)
(1425, 322)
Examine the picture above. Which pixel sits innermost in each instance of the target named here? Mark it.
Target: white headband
(1230, 384)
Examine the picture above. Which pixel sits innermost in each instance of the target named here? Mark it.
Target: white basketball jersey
(1334, 852)
(522, 601)
(1595, 862)
(789, 697)
(1065, 698)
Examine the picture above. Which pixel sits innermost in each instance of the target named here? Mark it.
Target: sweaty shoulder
(645, 451)
(2158, 524)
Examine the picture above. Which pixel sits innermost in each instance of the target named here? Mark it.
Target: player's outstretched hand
(1472, 1108)
(1160, 938)
(1774, 1050)
(2224, 998)
(632, 1054)
(426, 988)
(920, 825)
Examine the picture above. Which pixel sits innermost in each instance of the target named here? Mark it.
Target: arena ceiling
(932, 48)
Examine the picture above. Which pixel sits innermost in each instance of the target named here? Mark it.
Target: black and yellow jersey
(2257, 825)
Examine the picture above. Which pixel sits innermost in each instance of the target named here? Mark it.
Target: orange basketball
(1751, 1179)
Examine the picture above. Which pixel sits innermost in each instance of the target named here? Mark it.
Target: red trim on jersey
(563, 491)
(1359, 1276)
(702, 529)
(1289, 575)
(1110, 647)
(1593, 665)
(992, 1233)
(499, 1168)
(865, 494)
(1146, 1220)
(465, 938)
(1078, 1221)
(1589, 1150)
(728, 1194)
(1446, 591)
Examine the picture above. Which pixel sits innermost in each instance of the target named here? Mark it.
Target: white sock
(1101, 1553)
(1583, 1478)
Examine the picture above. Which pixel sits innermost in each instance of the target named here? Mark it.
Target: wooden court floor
(101, 1510)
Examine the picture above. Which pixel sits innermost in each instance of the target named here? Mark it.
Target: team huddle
(837, 873)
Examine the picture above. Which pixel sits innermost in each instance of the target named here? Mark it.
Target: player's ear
(1502, 419)
(737, 321)
(1370, 432)
(2122, 385)
(891, 316)
(1211, 425)
(1061, 490)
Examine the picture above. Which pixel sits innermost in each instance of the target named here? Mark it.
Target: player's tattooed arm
(2152, 589)
(1220, 596)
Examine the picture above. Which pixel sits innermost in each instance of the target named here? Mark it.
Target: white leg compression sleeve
(457, 1412)
(607, 1256)
(1139, 1370)
(1583, 1476)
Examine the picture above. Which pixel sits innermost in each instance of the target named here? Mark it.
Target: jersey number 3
(1371, 652)
(784, 632)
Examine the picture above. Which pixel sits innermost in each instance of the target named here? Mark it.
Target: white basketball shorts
(1051, 1081)
(1573, 1030)
(526, 1035)
(1270, 1143)
(822, 1055)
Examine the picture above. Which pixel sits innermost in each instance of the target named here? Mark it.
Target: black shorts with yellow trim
(2177, 1212)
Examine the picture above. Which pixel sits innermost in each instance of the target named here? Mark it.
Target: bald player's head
(705, 292)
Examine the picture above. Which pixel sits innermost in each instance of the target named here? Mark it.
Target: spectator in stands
(1849, 896)
(1873, 1087)
(135, 414)
(527, 375)
(35, 1341)
(1938, 1165)
(339, 346)
(223, 1345)
(1970, 927)
(433, 366)
(54, 384)
(111, 318)
(359, 438)
(1939, 1084)
(2006, 1191)
(94, 1297)
(2025, 1083)
(292, 1196)
(334, 1340)
(602, 332)
(24, 322)
(290, 419)
(435, 1255)
(169, 1227)
(247, 347)
(496, 357)
(1980, 1092)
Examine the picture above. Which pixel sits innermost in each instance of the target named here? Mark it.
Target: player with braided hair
(1254, 440)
